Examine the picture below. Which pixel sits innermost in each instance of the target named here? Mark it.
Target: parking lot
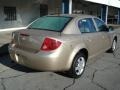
(102, 73)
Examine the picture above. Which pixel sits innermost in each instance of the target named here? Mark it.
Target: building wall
(26, 12)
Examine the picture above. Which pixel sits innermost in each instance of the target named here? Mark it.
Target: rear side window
(86, 25)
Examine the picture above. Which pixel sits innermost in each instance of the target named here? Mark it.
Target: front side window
(86, 25)
(51, 23)
(100, 25)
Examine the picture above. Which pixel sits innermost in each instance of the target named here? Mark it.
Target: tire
(113, 47)
(78, 66)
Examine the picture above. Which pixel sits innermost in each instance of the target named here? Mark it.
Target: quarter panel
(72, 44)
(74, 52)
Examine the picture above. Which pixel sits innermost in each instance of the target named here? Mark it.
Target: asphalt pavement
(102, 73)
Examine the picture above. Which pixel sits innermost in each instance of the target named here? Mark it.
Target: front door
(102, 28)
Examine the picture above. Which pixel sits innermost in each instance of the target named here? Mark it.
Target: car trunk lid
(31, 40)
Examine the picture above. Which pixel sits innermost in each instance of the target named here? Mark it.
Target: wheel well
(84, 51)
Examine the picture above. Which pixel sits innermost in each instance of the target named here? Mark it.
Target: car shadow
(6, 61)
(4, 49)
(64, 74)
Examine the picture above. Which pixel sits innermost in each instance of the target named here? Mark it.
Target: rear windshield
(51, 23)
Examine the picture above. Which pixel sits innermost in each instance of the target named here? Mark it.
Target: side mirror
(110, 28)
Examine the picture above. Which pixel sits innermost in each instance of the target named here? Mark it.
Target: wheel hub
(80, 66)
(114, 45)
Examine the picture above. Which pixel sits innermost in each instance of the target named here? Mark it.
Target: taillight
(50, 44)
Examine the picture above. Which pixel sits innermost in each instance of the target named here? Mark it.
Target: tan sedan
(61, 43)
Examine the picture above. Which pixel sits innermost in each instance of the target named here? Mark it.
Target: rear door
(91, 37)
(102, 28)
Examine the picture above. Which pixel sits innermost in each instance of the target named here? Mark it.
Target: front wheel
(78, 66)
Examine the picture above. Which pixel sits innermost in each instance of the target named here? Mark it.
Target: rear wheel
(78, 66)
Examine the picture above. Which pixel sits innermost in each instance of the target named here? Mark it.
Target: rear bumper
(56, 61)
